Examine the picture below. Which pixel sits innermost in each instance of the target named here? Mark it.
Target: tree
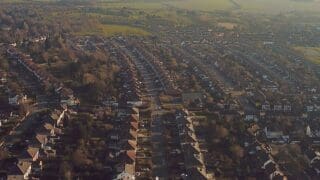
(221, 132)
(3, 154)
(66, 170)
(24, 108)
(80, 158)
(237, 151)
(88, 79)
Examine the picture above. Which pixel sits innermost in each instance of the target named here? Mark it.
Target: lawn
(202, 5)
(311, 53)
(111, 30)
(227, 25)
(143, 5)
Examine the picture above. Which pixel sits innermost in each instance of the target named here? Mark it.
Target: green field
(111, 30)
(260, 6)
(311, 53)
(202, 5)
(135, 5)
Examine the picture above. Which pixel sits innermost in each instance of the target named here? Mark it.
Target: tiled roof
(41, 138)
(32, 151)
(134, 125)
(131, 154)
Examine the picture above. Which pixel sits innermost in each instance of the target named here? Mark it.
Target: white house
(273, 134)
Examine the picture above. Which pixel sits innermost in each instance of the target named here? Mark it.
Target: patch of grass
(143, 5)
(202, 5)
(227, 25)
(168, 106)
(311, 53)
(111, 30)
(173, 17)
(122, 30)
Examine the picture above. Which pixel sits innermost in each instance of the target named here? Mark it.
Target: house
(14, 100)
(313, 90)
(48, 152)
(313, 133)
(273, 134)
(134, 103)
(309, 132)
(271, 170)
(310, 108)
(316, 166)
(127, 165)
(277, 175)
(20, 171)
(41, 139)
(277, 107)
(268, 163)
(124, 176)
(47, 128)
(266, 107)
(190, 97)
(5, 27)
(30, 154)
(57, 116)
(70, 100)
(312, 156)
(287, 108)
(251, 117)
(3, 80)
